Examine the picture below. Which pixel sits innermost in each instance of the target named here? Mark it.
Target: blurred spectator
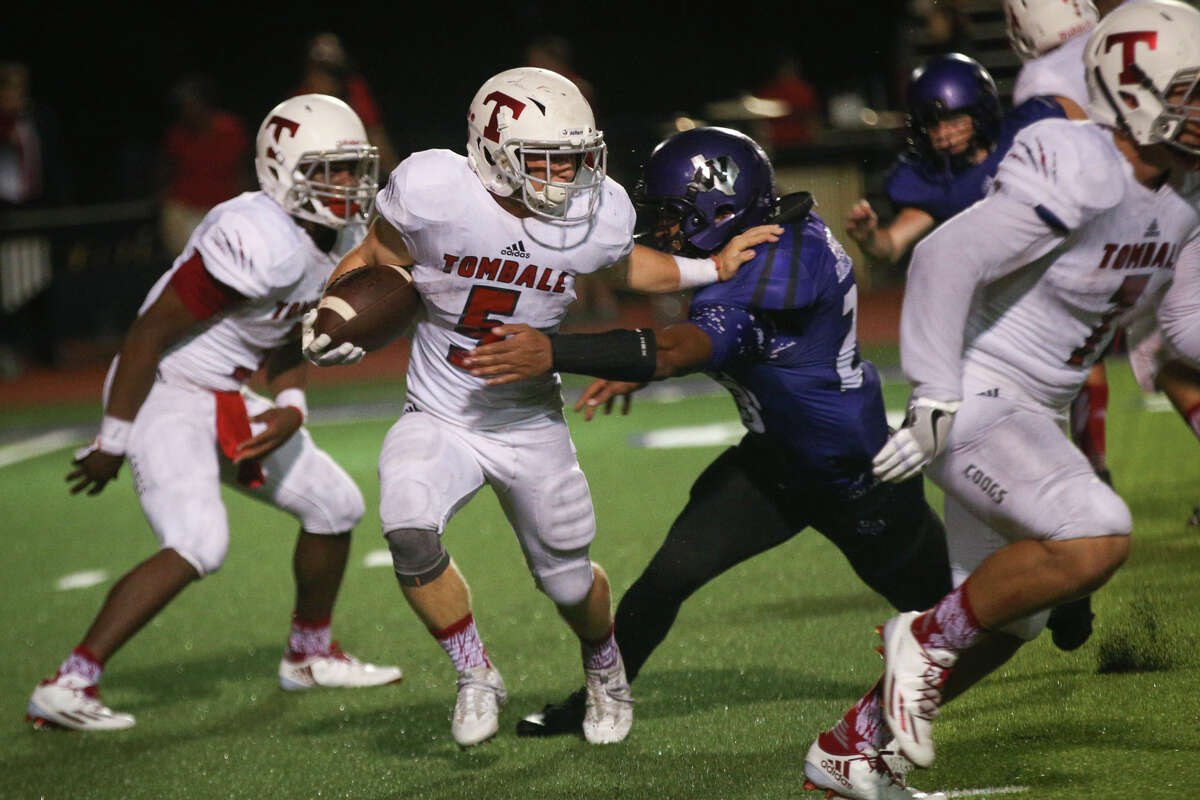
(32, 175)
(329, 70)
(554, 53)
(205, 159)
(595, 299)
(789, 85)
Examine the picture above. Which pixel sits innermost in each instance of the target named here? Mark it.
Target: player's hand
(923, 435)
(316, 348)
(523, 353)
(282, 424)
(737, 251)
(94, 468)
(861, 221)
(604, 393)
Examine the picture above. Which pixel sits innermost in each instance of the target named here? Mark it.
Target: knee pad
(418, 556)
(1097, 511)
(568, 587)
(205, 555)
(1027, 628)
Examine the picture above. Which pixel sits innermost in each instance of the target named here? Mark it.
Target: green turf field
(759, 662)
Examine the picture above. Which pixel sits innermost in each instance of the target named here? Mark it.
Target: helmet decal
(1129, 41)
(718, 174)
(492, 131)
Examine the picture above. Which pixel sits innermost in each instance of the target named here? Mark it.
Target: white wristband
(295, 398)
(114, 435)
(696, 271)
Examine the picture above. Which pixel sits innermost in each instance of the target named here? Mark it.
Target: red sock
(1193, 419)
(862, 727)
(81, 662)
(309, 637)
(950, 625)
(1089, 413)
(462, 643)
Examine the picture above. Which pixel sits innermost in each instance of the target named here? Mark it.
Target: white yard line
(988, 792)
(39, 445)
(378, 558)
(81, 580)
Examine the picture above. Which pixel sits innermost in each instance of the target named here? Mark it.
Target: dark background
(106, 73)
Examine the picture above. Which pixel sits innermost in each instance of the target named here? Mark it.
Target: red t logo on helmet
(492, 131)
(1129, 42)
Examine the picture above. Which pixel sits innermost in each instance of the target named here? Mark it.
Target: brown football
(369, 306)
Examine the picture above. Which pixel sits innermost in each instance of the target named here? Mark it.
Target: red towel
(233, 428)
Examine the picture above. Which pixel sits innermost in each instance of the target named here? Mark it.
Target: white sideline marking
(38, 445)
(987, 792)
(1156, 403)
(691, 436)
(81, 580)
(378, 558)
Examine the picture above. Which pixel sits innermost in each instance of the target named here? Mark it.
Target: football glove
(316, 347)
(909, 450)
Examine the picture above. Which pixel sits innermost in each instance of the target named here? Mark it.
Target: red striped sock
(462, 643)
(950, 625)
(861, 728)
(81, 662)
(309, 637)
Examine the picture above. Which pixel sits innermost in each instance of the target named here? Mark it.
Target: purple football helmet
(700, 188)
(946, 86)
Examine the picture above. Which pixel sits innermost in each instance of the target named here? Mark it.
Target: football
(369, 306)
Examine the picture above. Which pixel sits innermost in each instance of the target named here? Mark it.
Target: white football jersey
(478, 266)
(253, 246)
(1044, 325)
(1059, 72)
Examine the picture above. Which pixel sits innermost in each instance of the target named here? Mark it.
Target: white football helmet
(1143, 64)
(1036, 27)
(301, 147)
(526, 114)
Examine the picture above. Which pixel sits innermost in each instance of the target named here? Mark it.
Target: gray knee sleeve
(417, 555)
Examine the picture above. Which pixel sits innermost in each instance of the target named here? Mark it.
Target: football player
(1051, 35)
(781, 337)
(500, 235)
(957, 136)
(1087, 226)
(177, 406)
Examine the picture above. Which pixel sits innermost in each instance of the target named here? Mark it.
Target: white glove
(923, 435)
(315, 346)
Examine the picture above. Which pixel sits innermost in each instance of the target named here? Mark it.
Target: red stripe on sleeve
(203, 294)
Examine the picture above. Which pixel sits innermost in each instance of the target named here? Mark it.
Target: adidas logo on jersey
(1152, 231)
(989, 393)
(517, 249)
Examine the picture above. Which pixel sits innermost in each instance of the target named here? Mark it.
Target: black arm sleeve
(620, 355)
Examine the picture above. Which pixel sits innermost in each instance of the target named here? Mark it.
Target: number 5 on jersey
(475, 321)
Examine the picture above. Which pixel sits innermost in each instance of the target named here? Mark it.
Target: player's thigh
(893, 540)
(173, 457)
(427, 471)
(545, 495)
(735, 510)
(303, 480)
(970, 541)
(1014, 469)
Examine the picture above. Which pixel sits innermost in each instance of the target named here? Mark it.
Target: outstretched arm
(652, 271)
(889, 243)
(622, 355)
(166, 320)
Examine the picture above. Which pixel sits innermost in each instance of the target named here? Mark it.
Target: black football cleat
(1071, 624)
(556, 719)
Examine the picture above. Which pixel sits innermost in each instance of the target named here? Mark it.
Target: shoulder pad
(249, 249)
(1071, 168)
(426, 186)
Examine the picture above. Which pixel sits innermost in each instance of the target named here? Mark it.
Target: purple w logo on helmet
(718, 174)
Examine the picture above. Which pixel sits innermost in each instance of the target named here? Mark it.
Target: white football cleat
(69, 701)
(481, 695)
(335, 669)
(609, 714)
(856, 776)
(912, 687)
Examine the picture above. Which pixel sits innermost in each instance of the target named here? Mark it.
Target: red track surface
(82, 376)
